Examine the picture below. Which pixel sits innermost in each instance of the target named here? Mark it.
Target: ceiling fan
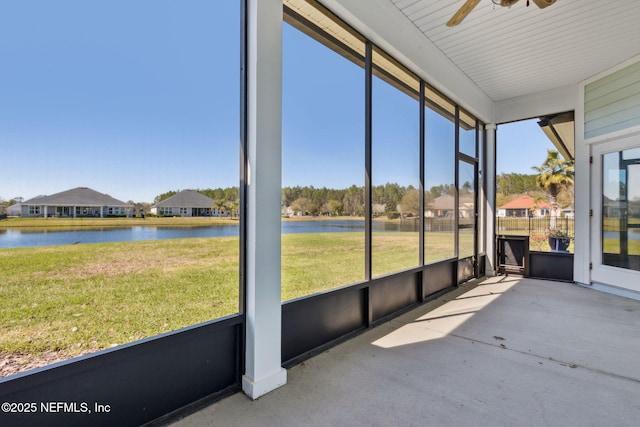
(468, 6)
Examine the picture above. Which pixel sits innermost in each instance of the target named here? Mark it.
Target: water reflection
(12, 238)
(24, 238)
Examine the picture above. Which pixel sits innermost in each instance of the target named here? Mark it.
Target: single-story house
(289, 212)
(524, 207)
(188, 203)
(77, 202)
(444, 207)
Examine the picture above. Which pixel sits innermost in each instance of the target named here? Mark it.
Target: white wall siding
(613, 102)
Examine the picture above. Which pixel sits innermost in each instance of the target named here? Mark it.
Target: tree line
(387, 199)
(512, 185)
(390, 199)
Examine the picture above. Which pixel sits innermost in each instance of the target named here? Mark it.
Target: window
(466, 185)
(467, 126)
(326, 143)
(482, 195)
(440, 157)
(621, 209)
(395, 167)
(140, 88)
(466, 210)
(323, 243)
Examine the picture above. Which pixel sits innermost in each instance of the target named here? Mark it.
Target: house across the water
(444, 207)
(74, 203)
(187, 203)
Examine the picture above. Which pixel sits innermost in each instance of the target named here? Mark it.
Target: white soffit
(519, 51)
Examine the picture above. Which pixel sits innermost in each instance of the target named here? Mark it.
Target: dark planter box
(514, 256)
(551, 265)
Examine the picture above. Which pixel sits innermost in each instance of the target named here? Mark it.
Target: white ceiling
(517, 51)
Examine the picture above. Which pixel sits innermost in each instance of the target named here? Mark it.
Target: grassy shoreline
(75, 223)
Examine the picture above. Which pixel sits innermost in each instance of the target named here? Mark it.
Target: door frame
(600, 273)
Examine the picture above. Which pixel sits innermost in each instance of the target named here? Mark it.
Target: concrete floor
(504, 352)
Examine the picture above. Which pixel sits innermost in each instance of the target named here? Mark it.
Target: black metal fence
(534, 226)
(504, 225)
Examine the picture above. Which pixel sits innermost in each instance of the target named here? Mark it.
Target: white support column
(263, 308)
(583, 187)
(490, 177)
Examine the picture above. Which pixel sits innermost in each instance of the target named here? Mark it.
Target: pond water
(15, 238)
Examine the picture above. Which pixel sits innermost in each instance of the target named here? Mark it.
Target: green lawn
(613, 224)
(316, 262)
(81, 298)
(89, 297)
(394, 251)
(612, 246)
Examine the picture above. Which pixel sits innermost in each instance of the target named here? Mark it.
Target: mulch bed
(14, 363)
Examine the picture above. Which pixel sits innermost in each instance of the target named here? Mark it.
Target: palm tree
(554, 174)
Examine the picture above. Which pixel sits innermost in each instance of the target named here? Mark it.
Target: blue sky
(520, 146)
(138, 98)
(129, 98)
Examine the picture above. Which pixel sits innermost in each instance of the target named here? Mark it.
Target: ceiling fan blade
(462, 12)
(544, 3)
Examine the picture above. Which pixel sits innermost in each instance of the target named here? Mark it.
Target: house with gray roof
(74, 203)
(15, 210)
(444, 206)
(187, 203)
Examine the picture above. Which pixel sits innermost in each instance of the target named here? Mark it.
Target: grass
(83, 223)
(612, 246)
(394, 251)
(81, 298)
(295, 218)
(613, 224)
(89, 297)
(312, 263)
